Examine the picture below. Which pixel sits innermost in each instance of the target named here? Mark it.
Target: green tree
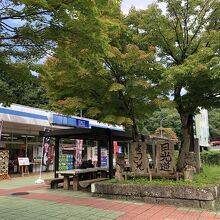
(32, 29)
(214, 124)
(186, 36)
(168, 118)
(119, 86)
(28, 91)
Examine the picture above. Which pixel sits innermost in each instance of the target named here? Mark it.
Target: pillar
(110, 153)
(56, 160)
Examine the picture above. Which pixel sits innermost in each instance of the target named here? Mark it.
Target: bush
(210, 157)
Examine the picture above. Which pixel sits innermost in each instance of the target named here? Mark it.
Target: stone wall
(205, 198)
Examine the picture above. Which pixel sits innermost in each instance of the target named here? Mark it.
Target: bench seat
(53, 182)
(86, 183)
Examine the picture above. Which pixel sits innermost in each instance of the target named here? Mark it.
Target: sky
(139, 4)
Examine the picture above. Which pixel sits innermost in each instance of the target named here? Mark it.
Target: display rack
(4, 160)
(66, 162)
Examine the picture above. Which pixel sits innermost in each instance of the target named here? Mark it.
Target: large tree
(30, 30)
(186, 35)
(120, 85)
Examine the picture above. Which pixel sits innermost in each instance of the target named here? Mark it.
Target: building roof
(94, 133)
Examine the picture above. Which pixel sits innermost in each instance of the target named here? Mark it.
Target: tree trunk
(188, 140)
(135, 134)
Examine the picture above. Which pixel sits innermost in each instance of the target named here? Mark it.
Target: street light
(161, 128)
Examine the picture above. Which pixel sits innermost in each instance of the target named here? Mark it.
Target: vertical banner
(104, 157)
(79, 146)
(51, 153)
(1, 126)
(46, 146)
(115, 143)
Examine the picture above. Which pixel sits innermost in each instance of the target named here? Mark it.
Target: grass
(209, 177)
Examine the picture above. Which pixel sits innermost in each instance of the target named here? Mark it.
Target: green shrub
(210, 157)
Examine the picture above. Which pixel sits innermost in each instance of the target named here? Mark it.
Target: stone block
(179, 202)
(209, 205)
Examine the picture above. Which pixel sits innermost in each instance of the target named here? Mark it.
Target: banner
(46, 146)
(1, 126)
(115, 143)
(79, 147)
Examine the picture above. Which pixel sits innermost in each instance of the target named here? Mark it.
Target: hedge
(210, 157)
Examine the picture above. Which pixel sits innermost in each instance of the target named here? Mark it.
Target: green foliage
(170, 119)
(214, 124)
(209, 176)
(119, 86)
(210, 157)
(25, 91)
(186, 36)
(31, 29)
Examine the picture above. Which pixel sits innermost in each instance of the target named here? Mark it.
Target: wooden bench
(86, 183)
(53, 182)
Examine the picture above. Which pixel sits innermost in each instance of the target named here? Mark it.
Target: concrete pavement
(21, 198)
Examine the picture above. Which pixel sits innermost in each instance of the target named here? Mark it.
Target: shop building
(20, 135)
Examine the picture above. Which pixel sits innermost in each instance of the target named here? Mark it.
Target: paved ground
(43, 203)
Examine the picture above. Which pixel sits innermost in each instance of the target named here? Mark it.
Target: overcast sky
(139, 4)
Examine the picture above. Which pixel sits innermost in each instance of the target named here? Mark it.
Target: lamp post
(161, 128)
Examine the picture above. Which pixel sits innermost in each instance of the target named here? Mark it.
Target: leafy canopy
(120, 85)
(32, 29)
(187, 37)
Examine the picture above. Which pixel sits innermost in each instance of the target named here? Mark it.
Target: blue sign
(82, 123)
(69, 121)
(104, 161)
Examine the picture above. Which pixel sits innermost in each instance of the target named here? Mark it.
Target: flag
(1, 126)
(79, 144)
(46, 146)
(115, 143)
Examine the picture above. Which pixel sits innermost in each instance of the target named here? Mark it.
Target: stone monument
(120, 164)
(138, 159)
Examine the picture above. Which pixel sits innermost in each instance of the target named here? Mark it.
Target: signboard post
(24, 163)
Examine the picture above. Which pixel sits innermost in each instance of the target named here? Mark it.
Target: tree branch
(23, 15)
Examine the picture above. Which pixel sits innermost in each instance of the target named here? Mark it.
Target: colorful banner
(51, 153)
(79, 147)
(46, 146)
(115, 143)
